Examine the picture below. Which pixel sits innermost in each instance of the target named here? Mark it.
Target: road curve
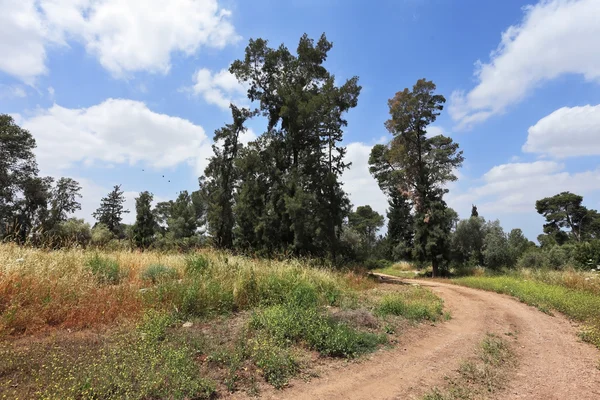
(553, 362)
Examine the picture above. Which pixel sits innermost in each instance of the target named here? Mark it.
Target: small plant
(153, 327)
(415, 304)
(105, 270)
(156, 273)
(196, 265)
(276, 362)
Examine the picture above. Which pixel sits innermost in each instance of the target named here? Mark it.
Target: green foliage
(468, 240)
(587, 254)
(366, 222)
(291, 323)
(71, 232)
(414, 304)
(144, 228)
(156, 273)
(564, 211)
(101, 235)
(275, 361)
(105, 270)
(196, 264)
(497, 252)
(111, 210)
(400, 232)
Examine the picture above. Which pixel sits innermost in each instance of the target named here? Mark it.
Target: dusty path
(553, 362)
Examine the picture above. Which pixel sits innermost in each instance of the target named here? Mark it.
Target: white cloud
(124, 35)
(358, 182)
(22, 40)
(12, 91)
(514, 188)
(114, 131)
(555, 37)
(220, 89)
(567, 132)
(51, 92)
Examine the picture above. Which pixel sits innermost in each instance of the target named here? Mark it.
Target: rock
(187, 325)
(20, 260)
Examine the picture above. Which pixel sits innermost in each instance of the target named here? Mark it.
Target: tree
(564, 211)
(468, 240)
(474, 212)
(518, 243)
(288, 195)
(366, 222)
(63, 201)
(17, 169)
(418, 166)
(222, 176)
(400, 231)
(111, 210)
(496, 250)
(144, 227)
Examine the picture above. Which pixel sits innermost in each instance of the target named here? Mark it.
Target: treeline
(281, 194)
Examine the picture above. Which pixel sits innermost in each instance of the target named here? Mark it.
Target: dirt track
(552, 362)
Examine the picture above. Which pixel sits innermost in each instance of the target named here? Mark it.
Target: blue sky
(126, 91)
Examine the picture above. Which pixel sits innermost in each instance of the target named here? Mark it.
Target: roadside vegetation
(481, 376)
(83, 323)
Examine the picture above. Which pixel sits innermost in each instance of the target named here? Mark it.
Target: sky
(130, 92)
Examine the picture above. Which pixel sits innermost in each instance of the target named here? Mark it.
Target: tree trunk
(435, 267)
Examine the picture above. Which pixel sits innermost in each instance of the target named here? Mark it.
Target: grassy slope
(579, 304)
(78, 323)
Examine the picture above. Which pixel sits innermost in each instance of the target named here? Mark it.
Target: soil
(552, 363)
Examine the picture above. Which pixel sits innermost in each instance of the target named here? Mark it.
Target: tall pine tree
(111, 210)
(144, 228)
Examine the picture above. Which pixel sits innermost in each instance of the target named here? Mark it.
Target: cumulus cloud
(358, 182)
(124, 35)
(514, 188)
(220, 88)
(114, 131)
(555, 37)
(567, 132)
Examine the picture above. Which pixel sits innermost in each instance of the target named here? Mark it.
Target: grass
(400, 269)
(484, 375)
(83, 324)
(581, 305)
(415, 303)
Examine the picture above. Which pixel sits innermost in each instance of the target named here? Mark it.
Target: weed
(156, 273)
(580, 305)
(196, 265)
(415, 304)
(276, 362)
(105, 270)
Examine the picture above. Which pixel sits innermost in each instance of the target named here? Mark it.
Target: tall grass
(79, 289)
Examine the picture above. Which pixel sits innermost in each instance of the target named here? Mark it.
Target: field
(82, 324)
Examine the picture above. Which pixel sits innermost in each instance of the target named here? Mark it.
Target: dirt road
(552, 362)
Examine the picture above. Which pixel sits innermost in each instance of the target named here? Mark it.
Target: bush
(534, 258)
(377, 264)
(101, 235)
(106, 271)
(156, 273)
(587, 254)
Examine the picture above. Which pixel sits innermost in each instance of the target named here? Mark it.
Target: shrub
(534, 258)
(105, 270)
(101, 235)
(587, 254)
(156, 273)
(377, 264)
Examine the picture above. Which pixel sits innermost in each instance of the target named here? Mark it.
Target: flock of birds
(169, 181)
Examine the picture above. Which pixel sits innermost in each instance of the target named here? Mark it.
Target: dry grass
(41, 291)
